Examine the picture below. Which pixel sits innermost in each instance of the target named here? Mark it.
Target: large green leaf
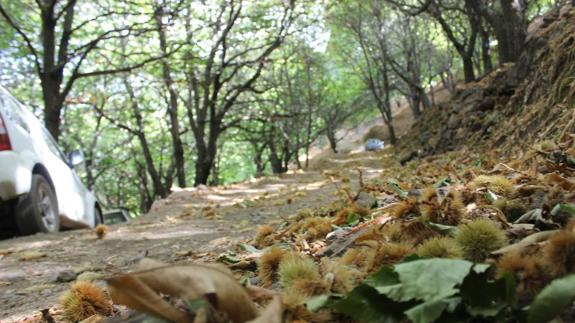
(365, 304)
(552, 300)
(431, 311)
(427, 279)
(564, 208)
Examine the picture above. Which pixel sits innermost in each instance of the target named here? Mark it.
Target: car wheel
(97, 217)
(38, 211)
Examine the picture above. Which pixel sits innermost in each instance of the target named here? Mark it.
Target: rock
(66, 275)
(31, 255)
(365, 200)
(485, 105)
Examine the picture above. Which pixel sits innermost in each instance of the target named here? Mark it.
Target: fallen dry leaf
(273, 313)
(140, 290)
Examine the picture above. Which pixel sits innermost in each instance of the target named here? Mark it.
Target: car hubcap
(46, 210)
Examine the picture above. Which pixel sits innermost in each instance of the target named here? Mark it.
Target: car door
(69, 191)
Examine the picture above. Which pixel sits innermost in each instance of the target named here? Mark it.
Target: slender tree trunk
(178, 148)
(331, 137)
(207, 153)
(391, 130)
(485, 52)
(468, 71)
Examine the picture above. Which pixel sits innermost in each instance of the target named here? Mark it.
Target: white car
(39, 189)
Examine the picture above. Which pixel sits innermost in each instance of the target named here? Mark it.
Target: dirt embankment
(513, 106)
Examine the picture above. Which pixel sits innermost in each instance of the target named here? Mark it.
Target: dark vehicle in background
(117, 216)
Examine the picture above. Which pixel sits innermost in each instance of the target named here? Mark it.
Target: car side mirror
(75, 157)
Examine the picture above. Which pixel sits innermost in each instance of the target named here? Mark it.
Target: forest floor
(191, 224)
(194, 224)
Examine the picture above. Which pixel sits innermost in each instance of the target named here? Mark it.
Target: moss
(441, 247)
(478, 238)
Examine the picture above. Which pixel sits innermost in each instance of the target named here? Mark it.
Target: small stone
(65, 276)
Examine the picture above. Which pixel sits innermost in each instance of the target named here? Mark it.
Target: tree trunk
(414, 103)
(52, 105)
(510, 32)
(275, 161)
(203, 168)
(392, 137)
(485, 54)
(468, 72)
(178, 149)
(207, 153)
(331, 137)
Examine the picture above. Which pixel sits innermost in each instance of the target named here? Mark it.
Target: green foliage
(430, 290)
(552, 300)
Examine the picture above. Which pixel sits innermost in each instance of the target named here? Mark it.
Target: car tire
(97, 217)
(38, 210)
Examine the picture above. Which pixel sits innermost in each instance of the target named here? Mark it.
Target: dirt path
(191, 224)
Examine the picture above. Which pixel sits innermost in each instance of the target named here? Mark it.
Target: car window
(12, 110)
(53, 146)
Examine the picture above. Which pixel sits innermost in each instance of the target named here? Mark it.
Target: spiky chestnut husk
(560, 253)
(496, 183)
(404, 208)
(440, 247)
(528, 270)
(268, 265)
(101, 230)
(393, 232)
(452, 208)
(449, 211)
(344, 277)
(478, 238)
(343, 214)
(296, 266)
(294, 299)
(415, 232)
(315, 227)
(513, 209)
(468, 195)
(83, 300)
(361, 258)
(389, 254)
(349, 257)
(263, 236)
